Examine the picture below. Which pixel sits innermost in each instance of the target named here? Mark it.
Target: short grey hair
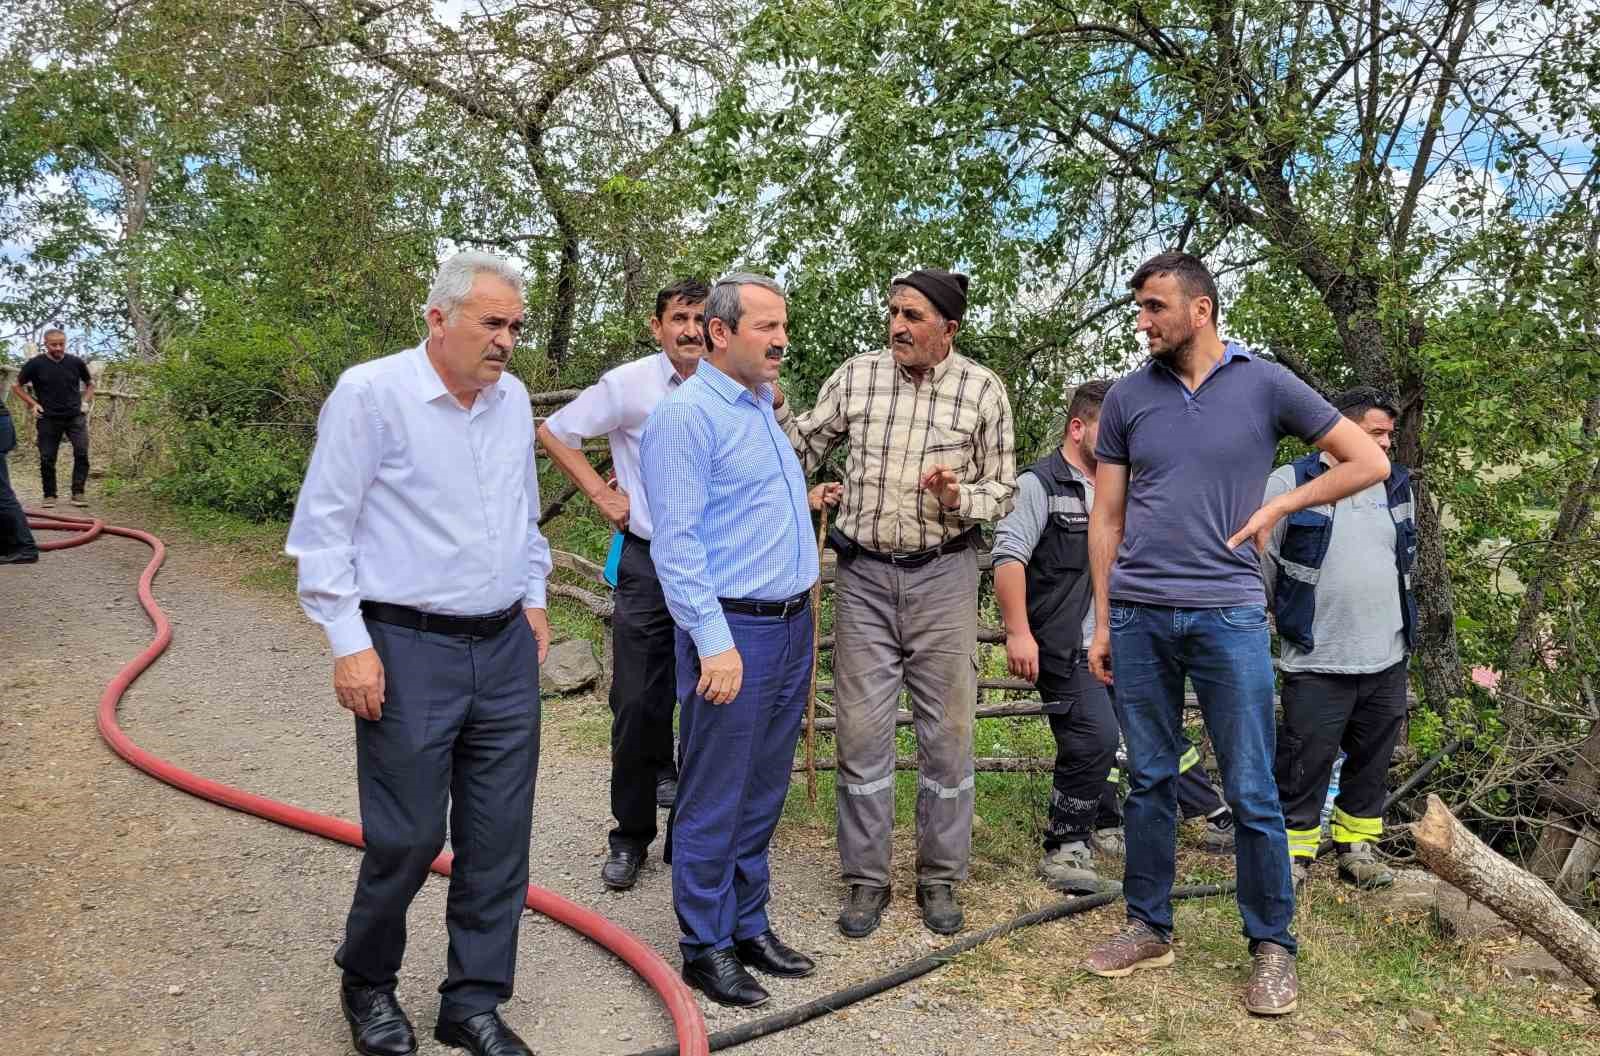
(453, 283)
(724, 302)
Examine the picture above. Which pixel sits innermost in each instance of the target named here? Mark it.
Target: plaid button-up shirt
(957, 416)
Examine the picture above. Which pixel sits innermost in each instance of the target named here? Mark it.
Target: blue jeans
(732, 779)
(1225, 653)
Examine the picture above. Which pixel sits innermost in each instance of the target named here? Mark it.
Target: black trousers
(460, 726)
(51, 430)
(643, 694)
(15, 536)
(1083, 790)
(1363, 714)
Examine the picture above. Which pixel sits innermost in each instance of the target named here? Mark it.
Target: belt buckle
(793, 605)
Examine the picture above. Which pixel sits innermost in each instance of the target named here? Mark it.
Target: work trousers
(1322, 713)
(460, 726)
(905, 628)
(643, 695)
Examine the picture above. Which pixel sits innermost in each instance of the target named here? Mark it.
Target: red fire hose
(687, 1020)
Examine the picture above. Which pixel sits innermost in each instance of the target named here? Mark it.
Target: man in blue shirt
(1186, 443)
(734, 552)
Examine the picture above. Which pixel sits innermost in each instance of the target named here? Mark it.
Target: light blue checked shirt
(729, 503)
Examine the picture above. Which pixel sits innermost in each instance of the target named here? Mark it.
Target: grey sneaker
(1132, 948)
(1359, 866)
(1274, 988)
(1071, 868)
(1112, 842)
(1218, 837)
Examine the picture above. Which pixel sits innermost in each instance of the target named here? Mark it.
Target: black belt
(917, 559)
(435, 623)
(785, 608)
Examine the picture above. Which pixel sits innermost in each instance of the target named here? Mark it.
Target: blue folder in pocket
(613, 559)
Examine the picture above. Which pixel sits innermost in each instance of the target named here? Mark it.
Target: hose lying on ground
(839, 999)
(689, 1024)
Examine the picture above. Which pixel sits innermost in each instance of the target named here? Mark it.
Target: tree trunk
(137, 180)
(1581, 783)
(1454, 853)
(1571, 522)
(1437, 651)
(566, 291)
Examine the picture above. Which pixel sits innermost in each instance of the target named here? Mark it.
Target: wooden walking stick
(816, 650)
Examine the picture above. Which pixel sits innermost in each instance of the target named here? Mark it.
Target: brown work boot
(1135, 946)
(1273, 989)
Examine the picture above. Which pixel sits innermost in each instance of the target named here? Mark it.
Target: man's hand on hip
(721, 676)
(539, 620)
(1100, 655)
(613, 506)
(1259, 528)
(358, 683)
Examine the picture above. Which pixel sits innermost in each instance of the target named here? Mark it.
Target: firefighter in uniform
(1339, 583)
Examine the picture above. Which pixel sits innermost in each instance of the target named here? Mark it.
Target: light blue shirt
(729, 502)
(412, 499)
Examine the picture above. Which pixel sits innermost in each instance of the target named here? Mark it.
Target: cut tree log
(1449, 849)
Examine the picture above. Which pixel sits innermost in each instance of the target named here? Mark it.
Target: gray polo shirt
(1197, 464)
(1357, 626)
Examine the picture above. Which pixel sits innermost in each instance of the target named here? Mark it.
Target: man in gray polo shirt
(1175, 538)
(1338, 578)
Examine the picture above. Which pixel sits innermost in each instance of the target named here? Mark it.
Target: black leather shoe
(484, 1034)
(20, 558)
(940, 910)
(721, 977)
(863, 910)
(768, 953)
(378, 1025)
(622, 868)
(666, 792)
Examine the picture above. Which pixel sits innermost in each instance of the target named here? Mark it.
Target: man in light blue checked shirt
(734, 552)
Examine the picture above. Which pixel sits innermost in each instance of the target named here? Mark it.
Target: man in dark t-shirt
(1175, 536)
(55, 376)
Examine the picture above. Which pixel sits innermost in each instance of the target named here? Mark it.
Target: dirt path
(135, 920)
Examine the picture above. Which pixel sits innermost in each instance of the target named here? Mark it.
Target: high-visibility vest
(1305, 546)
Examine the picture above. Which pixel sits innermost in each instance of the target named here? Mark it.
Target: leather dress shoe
(484, 1034)
(940, 910)
(863, 910)
(21, 557)
(719, 975)
(768, 953)
(622, 868)
(666, 792)
(378, 1025)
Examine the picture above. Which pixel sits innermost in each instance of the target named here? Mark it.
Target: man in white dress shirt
(420, 554)
(643, 691)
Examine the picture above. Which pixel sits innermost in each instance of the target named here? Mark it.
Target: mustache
(689, 340)
(901, 339)
(775, 352)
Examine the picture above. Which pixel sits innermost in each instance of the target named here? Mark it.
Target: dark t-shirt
(1197, 467)
(55, 383)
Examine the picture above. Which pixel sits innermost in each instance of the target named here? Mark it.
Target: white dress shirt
(414, 500)
(617, 406)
